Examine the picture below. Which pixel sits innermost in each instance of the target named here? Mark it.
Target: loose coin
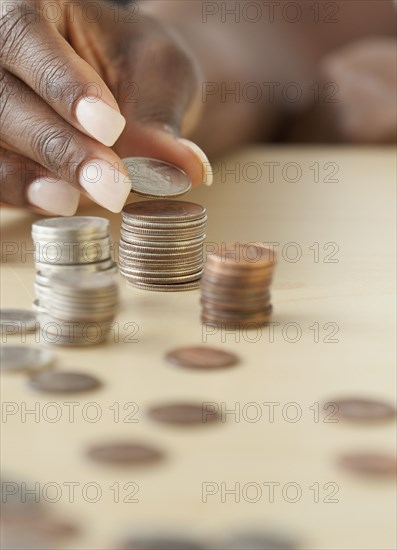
(156, 178)
(59, 382)
(17, 320)
(260, 541)
(158, 542)
(356, 409)
(184, 413)
(371, 463)
(202, 357)
(125, 453)
(25, 358)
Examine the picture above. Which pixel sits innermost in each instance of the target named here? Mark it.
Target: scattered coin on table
(370, 463)
(156, 178)
(64, 381)
(161, 246)
(184, 413)
(202, 357)
(25, 358)
(158, 542)
(360, 410)
(125, 453)
(17, 320)
(259, 541)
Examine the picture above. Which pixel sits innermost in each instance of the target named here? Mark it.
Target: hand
(76, 81)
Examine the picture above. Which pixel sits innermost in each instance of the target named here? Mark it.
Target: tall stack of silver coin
(76, 298)
(161, 246)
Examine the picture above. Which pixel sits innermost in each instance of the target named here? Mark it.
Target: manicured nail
(105, 184)
(54, 196)
(99, 120)
(208, 176)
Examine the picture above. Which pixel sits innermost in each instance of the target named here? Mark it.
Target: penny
(125, 453)
(164, 211)
(25, 358)
(259, 541)
(356, 409)
(58, 381)
(184, 413)
(17, 320)
(159, 542)
(202, 357)
(156, 178)
(244, 255)
(371, 463)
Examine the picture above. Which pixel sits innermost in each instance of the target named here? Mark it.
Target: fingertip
(202, 168)
(53, 196)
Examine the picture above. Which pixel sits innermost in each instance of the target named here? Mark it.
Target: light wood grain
(357, 294)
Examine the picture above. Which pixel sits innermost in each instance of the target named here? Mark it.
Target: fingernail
(99, 120)
(105, 184)
(208, 176)
(54, 196)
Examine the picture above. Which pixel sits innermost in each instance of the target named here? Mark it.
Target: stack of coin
(76, 241)
(69, 245)
(161, 246)
(77, 309)
(235, 285)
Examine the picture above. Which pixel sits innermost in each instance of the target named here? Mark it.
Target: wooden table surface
(332, 213)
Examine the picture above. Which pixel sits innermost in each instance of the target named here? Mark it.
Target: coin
(166, 288)
(156, 178)
(17, 320)
(260, 541)
(25, 358)
(202, 357)
(358, 409)
(164, 211)
(371, 463)
(160, 542)
(243, 255)
(125, 453)
(184, 413)
(67, 381)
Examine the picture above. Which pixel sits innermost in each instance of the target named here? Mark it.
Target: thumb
(165, 104)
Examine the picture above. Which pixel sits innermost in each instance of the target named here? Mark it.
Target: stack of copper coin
(161, 246)
(235, 285)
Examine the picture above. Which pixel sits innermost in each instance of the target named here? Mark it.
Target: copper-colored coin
(224, 285)
(245, 255)
(370, 463)
(164, 210)
(238, 315)
(58, 381)
(184, 413)
(232, 272)
(253, 540)
(125, 453)
(361, 410)
(44, 526)
(160, 542)
(202, 357)
(237, 306)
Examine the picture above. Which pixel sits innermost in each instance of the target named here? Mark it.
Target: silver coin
(155, 178)
(180, 287)
(132, 221)
(79, 225)
(163, 280)
(163, 211)
(18, 319)
(25, 358)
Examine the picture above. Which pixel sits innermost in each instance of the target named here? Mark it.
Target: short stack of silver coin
(161, 246)
(67, 250)
(77, 309)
